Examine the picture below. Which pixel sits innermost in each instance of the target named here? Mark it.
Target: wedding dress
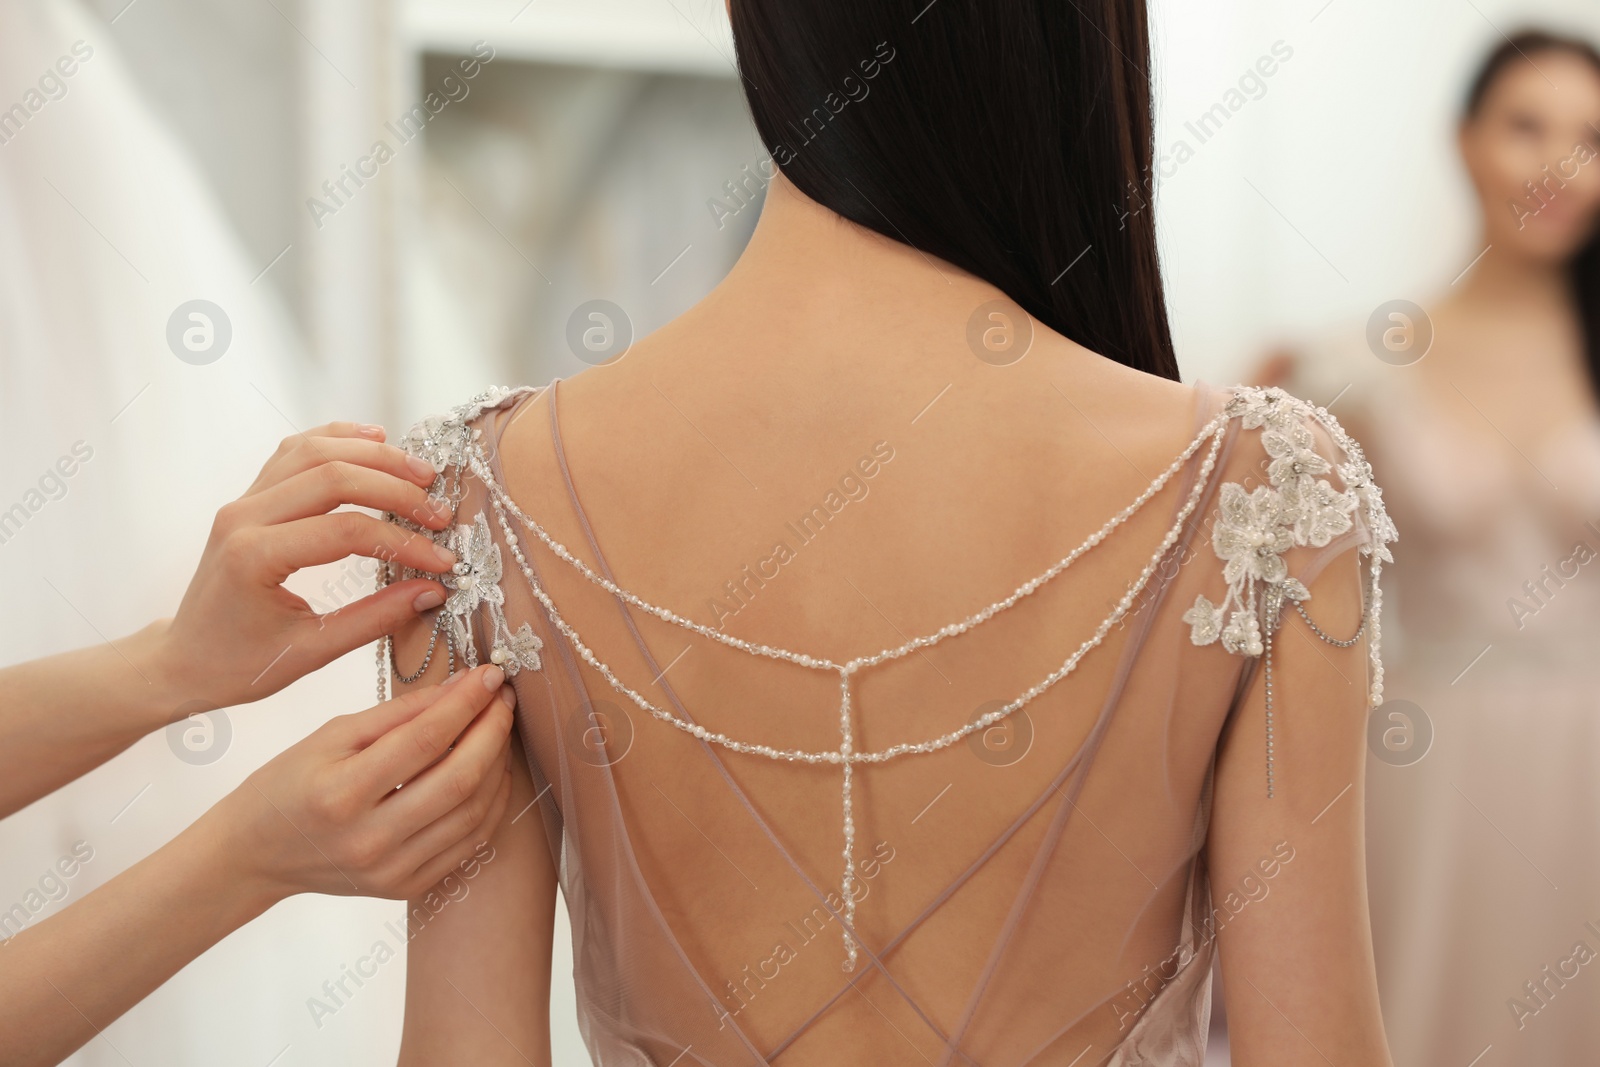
(1107, 896)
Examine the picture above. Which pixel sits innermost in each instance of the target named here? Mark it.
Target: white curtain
(105, 229)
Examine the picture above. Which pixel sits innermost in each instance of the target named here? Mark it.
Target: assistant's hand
(325, 816)
(239, 635)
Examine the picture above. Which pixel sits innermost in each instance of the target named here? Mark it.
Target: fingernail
(420, 467)
(445, 556)
(493, 677)
(454, 678)
(368, 429)
(508, 696)
(428, 600)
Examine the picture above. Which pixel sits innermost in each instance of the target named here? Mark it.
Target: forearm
(64, 715)
(71, 975)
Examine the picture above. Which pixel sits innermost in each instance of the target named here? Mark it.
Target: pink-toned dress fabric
(1482, 822)
(1067, 919)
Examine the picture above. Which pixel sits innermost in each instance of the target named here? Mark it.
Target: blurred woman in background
(1483, 805)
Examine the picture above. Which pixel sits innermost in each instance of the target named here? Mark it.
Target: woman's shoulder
(1298, 488)
(446, 438)
(1304, 467)
(1298, 437)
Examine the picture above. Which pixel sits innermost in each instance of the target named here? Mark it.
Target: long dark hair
(1583, 268)
(1012, 138)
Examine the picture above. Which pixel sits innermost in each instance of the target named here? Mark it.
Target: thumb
(365, 727)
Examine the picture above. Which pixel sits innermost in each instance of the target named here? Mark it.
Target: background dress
(1482, 860)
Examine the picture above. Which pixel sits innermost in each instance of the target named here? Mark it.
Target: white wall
(1339, 188)
(1334, 191)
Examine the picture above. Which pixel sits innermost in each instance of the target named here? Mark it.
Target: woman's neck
(824, 297)
(1518, 311)
(815, 253)
(1514, 283)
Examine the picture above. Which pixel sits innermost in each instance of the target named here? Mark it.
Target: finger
(361, 729)
(291, 546)
(329, 485)
(357, 732)
(432, 868)
(299, 454)
(452, 781)
(364, 621)
(331, 429)
(453, 825)
(406, 751)
(347, 429)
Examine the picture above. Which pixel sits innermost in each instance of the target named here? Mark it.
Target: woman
(1482, 799)
(808, 799)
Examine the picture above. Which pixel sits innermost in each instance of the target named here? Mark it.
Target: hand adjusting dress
(1078, 918)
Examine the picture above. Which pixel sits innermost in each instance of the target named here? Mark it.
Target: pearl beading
(846, 756)
(482, 469)
(451, 441)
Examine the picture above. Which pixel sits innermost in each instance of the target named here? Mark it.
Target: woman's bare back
(814, 458)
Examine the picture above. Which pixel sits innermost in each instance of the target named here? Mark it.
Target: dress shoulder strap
(1291, 501)
(450, 442)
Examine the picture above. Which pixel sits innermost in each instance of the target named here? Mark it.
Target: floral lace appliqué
(474, 581)
(1298, 506)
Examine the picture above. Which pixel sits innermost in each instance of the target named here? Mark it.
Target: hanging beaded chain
(1371, 603)
(1254, 531)
(441, 623)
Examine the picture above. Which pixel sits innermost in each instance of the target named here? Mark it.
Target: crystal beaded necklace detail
(1298, 506)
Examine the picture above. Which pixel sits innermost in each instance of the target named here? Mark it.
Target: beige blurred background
(205, 150)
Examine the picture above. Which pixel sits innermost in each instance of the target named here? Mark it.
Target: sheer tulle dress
(1010, 877)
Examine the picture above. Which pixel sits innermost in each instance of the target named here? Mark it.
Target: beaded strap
(1298, 506)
